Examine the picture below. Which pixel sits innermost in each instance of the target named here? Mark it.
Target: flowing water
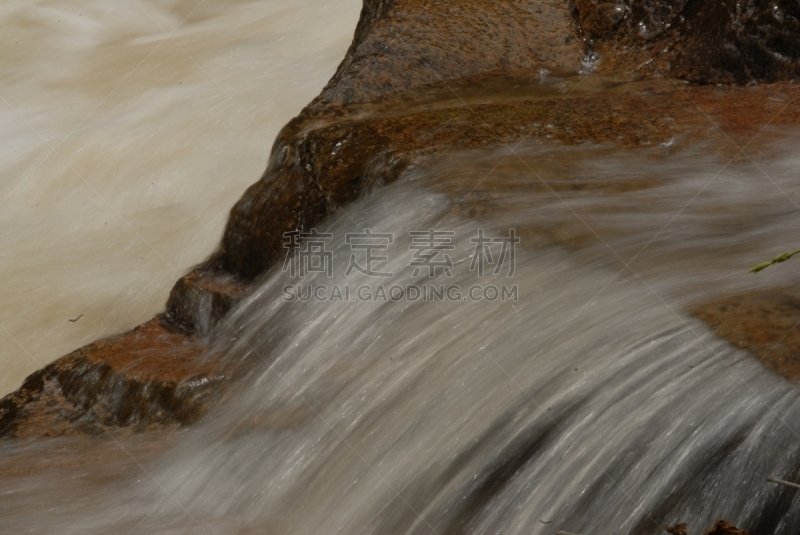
(162, 113)
(591, 403)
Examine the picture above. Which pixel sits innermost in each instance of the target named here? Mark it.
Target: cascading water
(593, 403)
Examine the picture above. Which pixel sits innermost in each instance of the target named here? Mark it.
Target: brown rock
(720, 527)
(403, 45)
(703, 41)
(725, 528)
(324, 160)
(767, 324)
(200, 299)
(677, 529)
(147, 377)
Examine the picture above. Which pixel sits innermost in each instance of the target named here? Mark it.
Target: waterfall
(590, 401)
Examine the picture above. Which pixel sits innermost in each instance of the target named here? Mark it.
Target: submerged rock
(677, 529)
(767, 324)
(720, 527)
(422, 79)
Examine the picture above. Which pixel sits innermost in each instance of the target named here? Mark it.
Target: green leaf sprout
(783, 257)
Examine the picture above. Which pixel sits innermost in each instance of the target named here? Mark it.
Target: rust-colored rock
(199, 300)
(720, 527)
(337, 157)
(147, 377)
(767, 324)
(677, 529)
(725, 528)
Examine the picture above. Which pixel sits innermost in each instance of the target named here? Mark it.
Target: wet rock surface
(767, 324)
(340, 160)
(147, 378)
(403, 45)
(720, 527)
(702, 41)
(422, 79)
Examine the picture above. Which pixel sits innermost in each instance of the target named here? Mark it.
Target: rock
(766, 323)
(720, 527)
(200, 299)
(324, 160)
(148, 377)
(677, 529)
(702, 41)
(724, 528)
(403, 45)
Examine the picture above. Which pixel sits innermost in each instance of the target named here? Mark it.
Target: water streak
(593, 404)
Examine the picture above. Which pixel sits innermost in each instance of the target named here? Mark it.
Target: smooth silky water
(593, 404)
(157, 138)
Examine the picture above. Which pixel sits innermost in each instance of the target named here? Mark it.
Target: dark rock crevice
(701, 41)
